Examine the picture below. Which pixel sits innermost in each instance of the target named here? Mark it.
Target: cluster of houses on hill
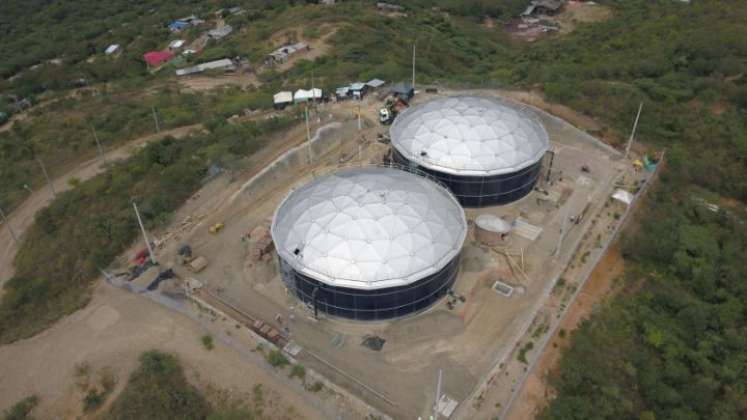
(157, 58)
(355, 90)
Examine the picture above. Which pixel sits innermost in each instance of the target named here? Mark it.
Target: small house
(220, 33)
(388, 7)
(403, 90)
(156, 58)
(543, 7)
(342, 93)
(176, 44)
(358, 90)
(178, 25)
(223, 64)
(282, 99)
(374, 84)
(111, 49)
(302, 95)
(282, 54)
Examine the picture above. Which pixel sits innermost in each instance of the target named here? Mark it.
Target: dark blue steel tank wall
(480, 191)
(370, 305)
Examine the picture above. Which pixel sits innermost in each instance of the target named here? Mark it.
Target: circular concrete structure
(369, 243)
(487, 151)
(491, 230)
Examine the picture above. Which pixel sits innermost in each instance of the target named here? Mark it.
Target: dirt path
(317, 48)
(22, 217)
(202, 83)
(599, 288)
(111, 333)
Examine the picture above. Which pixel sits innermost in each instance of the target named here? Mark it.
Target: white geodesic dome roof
(369, 228)
(470, 135)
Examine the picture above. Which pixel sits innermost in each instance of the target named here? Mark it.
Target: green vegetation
(85, 228)
(61, 133)
(207, 341)
(315, 387)
(96, 395)
(298, 371)
(522, 355)
(159, 390)
(673, 347)
(22, 409)
(277, 359)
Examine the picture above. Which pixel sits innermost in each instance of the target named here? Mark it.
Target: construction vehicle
(194, 264)
(391, 109)
(216, 228)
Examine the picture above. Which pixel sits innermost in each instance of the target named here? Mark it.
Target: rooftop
(369, 228)
(470, 135)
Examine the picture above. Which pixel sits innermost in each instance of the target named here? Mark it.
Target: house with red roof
(156, 58)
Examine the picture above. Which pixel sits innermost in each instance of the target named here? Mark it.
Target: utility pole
(308, 134)
(632, 133)
(46, 175)
(10, 229)
(98, 144)
(145, 235)
(155, 118)
(313, 93)
(438, 395)
(359, 117)
(413, 65)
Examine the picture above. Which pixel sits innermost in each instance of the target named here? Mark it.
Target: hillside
(670, 345)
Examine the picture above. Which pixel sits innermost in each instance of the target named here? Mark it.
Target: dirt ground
(577, 12)
(111, 333)
(317, 48)
(459, 343)
(56, 389)
(202, 83)
(574, 13)
(599, 288)
(117, 326)
(22, 217)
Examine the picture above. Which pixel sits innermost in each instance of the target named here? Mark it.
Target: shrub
(298, 371)
(158, 389)
(315, 387)
(207, 341)
(22, 409)
(276, 359)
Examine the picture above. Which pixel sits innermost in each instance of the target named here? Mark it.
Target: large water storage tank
(369, 243)
(487, 151)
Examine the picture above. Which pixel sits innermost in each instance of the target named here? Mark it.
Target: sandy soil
(600, 287)
(201, 83)
(111, 333)
(23, 216)
(117, 326)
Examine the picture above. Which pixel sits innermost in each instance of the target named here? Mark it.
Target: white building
(224, 64)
